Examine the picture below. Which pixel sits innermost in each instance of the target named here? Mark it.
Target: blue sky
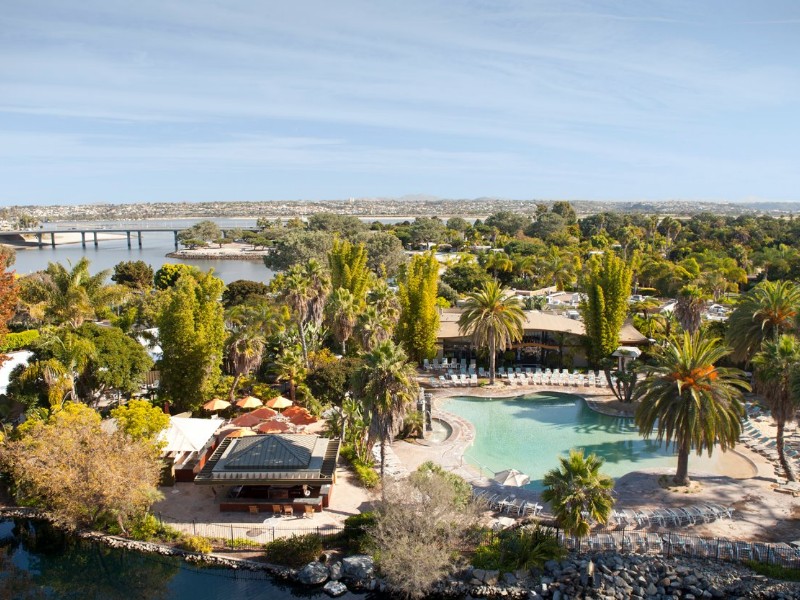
(158, 100)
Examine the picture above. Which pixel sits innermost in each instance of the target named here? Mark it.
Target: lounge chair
(277, 510)
(288, 510)
(253, 509)
(308, 511)
(473, 380)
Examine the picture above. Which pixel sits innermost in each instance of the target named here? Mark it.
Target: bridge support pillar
(83, 239)
(139, 234)
(53, 239)
(95, 238)
(175, 234)
(39, 238)
(129, 239)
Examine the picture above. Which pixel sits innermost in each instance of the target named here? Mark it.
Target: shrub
(17, 341)
(520, 548)
(368, 477)
(356, 531)
(775, 571)
(147, 528)
(242, 544)
(196, 543)
(294, 551)
(462, 490)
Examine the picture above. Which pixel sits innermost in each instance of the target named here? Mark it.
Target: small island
(230, 251)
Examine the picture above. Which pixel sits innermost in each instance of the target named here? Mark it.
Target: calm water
(85, 571)
(529, 433)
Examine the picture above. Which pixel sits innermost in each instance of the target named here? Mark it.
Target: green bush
(196, 543)
(242, 544)
(462, 489)
(366, 475)
(294, 551)
(148, 528)
(356, 531)
(775, 571)
(520, 548)
(17, 341)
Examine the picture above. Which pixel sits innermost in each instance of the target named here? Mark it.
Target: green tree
(141, 421)
(242, 291)
(507, 222)
(192, 336)
(245, 346)
(498, 262)
(373, 327)
(419, 317)
(607, 285)
(387, 385)
(169, 273)
(346, 225)
(343, 311)
(305, 290)
(465, 277)
(777, 373)
(349, 270)
(689, 308)
(71, 296)
(578, 492)
(291, 369)
(689, 401)
(298, 247)
(385, 253)
(557, 268)
(768, 310)
(493, 318)
(203, 232)
(135, 274)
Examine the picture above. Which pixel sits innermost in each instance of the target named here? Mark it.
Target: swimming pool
(530, 432)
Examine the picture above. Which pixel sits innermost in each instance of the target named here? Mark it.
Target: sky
(214, 100)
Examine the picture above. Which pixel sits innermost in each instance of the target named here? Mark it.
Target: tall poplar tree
(607, 285)
(349, 269)
(419, 317)
(192, 335)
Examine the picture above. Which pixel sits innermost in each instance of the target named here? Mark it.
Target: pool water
(529, 433)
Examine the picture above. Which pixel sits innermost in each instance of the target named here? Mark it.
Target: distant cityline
(382, 207)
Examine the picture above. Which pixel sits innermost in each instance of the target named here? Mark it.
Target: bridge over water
(42, 235)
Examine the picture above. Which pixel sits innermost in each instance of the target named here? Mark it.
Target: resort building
(272, 473)
(549, 340)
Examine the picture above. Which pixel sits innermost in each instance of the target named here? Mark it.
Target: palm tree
(385, 302)
(777, 368)
(578, 492)
(692, 403)
(342, 315)
(498, 261)
(557, 268)
(246, 344)
(492, 317)
(373, 327)
(689, 308)
(71, 296)
(768, 310)
(291, 368)
(387, 385)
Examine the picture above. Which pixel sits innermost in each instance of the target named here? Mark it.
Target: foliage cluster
(294, 551)
(518, 548)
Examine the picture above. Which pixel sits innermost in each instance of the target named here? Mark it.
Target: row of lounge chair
(461, 380)
(449, 364)
(672, 517)
(553, 378)
(510, 505)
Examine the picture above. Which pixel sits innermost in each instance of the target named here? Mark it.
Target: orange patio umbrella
(303, 419)
(263, 413)
(273, 427)
(247, 420)
(236, 433)
(216, 404)
(249, 402)
(294, 410)
(279, 402)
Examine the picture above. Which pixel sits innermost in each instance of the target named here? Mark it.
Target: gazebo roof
(272, 459)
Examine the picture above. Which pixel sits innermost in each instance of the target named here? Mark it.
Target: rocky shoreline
(210, 255)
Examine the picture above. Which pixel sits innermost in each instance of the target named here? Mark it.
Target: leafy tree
(498, 262)
(349, 270)
(8, 291)
(689, 401)
(135, 274)
(566, 211)
(578, 492)
(465, 277)
(141, 421)
(297, 248)
(169, 273)
(768, 310)
(202, 232)
(547, 227)
(346, 225)
(192, 336)
(777, 371)
(607, 285)
(387, 385)
(385, 253)
(689, 308)
(330, 381)
(507, 222)
(493, 318)
(242, 291)
(457, 224)
(52, 468)
(71, 296)
(426, 230)
(419, 317)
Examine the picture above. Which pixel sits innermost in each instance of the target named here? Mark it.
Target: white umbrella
(512, 477)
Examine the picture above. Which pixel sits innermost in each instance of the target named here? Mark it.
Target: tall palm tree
(373, 327)
(777, 368)
(557, 268)
(498, 261)
(768, 310)
(492, 317)
(385, 302)
(342, 314)
(306, 288)
(71, 296)
(691, 403)
(387, 385)
(246, 343)
(291, 368)
(578, 492)
(689, 308)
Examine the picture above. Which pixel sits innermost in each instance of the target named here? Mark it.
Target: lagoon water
(84, 571)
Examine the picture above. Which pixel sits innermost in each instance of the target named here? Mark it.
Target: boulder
(335, 571)
(313, 573)
(334, 588)
(360, 567)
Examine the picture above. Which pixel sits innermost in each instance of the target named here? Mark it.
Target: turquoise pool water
(528, 433)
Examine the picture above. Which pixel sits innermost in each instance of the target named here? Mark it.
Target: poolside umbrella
(236, 433)
(263, 413)
(511, 477)
(294, 410)
(273, 427)
(302, 417)
(247, 420)
(249, 402)
(216, 404)
(279, 403)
